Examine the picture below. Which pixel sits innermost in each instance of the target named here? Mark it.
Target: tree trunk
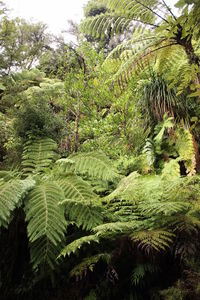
(76, 132)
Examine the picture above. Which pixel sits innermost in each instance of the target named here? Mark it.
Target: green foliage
(88, 264)
(11, 194)
(76, 189)
(46, 223)
(77, 244)
(38, 155)
(140, 272)
(87, 214)
(94, 164)
(149, 240)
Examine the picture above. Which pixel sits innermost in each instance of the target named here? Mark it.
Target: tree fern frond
(140, 272)
(77, 244)
(100, 25)
(88, 264)
(95, 164)
(124, 185)
(11, 193)
(114, 229)
(76, 189)
(8, 175)
(166, 208)
(186, 150)
(171, 170)
(149, 240)
(46, 222)
(38, 154)
(85, 213)
(188, 223)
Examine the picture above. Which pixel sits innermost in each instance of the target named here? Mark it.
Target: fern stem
(155, 13)
(169, 9)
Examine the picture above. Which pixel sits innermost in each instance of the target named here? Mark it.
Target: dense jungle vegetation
(99, 154)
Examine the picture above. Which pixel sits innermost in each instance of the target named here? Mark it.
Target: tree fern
(11, 194)
(168, 30)
(46, 223)
(38, 154)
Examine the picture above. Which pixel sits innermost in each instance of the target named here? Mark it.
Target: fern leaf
(38, 154)
(11, 193)
(171, 170)
(186, 151)
(46, 222)
(149, 240)
(113, 229)
(86, 213)
(76, 189)
(95, 164)
(88, 264)
(124, 186)
(140, 272)
(77, 244)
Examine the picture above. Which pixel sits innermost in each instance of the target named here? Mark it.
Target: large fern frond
(11, 193)
(46, 223)
(94, 164)
(149, 240)
(77, 244)
(38, 155)
(77, 189)
(87, 214)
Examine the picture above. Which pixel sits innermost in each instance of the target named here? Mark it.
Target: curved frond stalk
(12, 193)
(96, 165)
(38, 155)
(46, 223)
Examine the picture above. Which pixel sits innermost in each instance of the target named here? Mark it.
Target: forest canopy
(99, 154)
